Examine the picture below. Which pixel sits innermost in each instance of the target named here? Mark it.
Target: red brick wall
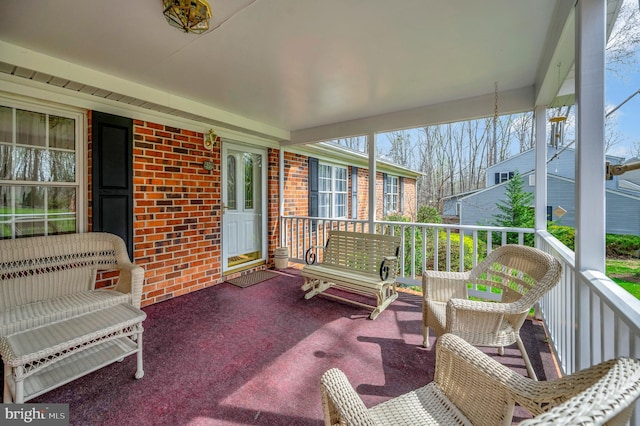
(296, 177)
(410, 200)
(379, 196)
(177, 215)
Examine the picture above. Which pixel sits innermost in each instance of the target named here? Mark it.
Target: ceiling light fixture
(190, 16)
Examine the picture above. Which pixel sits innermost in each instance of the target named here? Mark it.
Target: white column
(541, 168)
(281, 195)
(590, 162)
(590, 159)
(371, 141)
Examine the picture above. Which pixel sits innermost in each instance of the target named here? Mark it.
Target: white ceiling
(299, 64)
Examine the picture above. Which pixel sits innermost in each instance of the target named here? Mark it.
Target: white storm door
(243, 206)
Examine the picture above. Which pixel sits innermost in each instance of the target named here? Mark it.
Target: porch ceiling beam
(558, 57)
(509, 101)
(35, 61)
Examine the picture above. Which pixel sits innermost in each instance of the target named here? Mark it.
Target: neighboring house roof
(555, 152)
(460, 194)
(492, 187)
(549, 175)
(328, 151)
(632, 176)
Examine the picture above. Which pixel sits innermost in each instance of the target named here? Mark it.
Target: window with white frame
(332, 191)
(40, 184)
(391, 196)
(503, 177)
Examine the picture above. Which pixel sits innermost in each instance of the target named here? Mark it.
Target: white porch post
(281, 194)
(541, 168)
(371, 141)
(590, 159)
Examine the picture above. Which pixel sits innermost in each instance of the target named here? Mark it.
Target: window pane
(61, 202)
(231, 182)
(29, 229)
(61, 210)
(61, 226)
(31, 128)
(5, 212)
(6, 124)
(248, 182)
(5, 161)
(341, 205)
(62, 132)
(30, 164)
(324, 205)
(29, 201)
(324, 178)
(324, 171)
(62, 167)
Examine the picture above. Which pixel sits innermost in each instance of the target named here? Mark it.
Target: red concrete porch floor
(232, 356)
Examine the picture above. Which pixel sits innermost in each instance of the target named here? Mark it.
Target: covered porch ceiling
(294, 71)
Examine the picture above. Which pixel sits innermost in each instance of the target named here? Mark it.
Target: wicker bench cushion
(22, 317)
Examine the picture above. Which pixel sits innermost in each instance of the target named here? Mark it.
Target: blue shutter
(401, 195)
(385, 191)
(313, 187)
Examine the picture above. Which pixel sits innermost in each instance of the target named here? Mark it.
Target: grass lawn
(626, 273)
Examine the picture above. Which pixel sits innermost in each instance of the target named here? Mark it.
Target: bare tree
(356, 143)
(635, 149)
(625, 36)
(401, 148)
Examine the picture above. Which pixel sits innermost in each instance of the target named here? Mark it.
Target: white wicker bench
(47, 288)
(360, 263)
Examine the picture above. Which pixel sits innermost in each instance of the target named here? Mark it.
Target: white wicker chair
(470, 388)
(522, 276)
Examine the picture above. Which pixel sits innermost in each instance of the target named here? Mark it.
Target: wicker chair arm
(340, 402)
(602, 394)
(488, 307)
(130, 281)
(442, 286)
(539, 397)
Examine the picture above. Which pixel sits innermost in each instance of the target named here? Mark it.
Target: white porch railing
(588, 317)
(444, 244)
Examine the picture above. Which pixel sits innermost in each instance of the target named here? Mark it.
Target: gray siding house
(622, 194)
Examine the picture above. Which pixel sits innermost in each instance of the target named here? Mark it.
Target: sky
(628, 116)
(617, 89)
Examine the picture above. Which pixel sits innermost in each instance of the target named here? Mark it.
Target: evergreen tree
(515, 211)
